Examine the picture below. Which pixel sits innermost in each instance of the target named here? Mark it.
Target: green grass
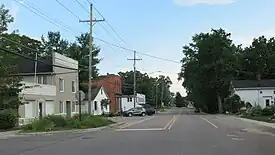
(57, 123)
(260, 118)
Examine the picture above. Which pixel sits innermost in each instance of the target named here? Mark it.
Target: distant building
(127, 101)
(113, 85)
(255, 92)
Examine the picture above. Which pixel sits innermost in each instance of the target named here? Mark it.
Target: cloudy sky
(156, 27)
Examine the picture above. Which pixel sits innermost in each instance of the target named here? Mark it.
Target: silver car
(137, 111)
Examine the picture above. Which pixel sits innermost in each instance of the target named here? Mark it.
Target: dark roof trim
(253, 83)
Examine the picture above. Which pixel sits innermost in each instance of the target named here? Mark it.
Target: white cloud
(246, 40)
(209, 2)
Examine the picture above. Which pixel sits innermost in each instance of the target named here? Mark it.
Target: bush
(8, 118)
(50, 123)
(255, 111)
(267, 111)
(59, 121)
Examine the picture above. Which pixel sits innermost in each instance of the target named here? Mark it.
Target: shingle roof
(253, 83)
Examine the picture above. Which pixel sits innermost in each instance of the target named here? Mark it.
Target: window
(129, 99)
(44, 79)
(74, 106)
(261, 92)
(61, 85)
(95, 105)
(61, 107)
(267, 103)
(101, 92)
(73, 86)
(39, 79)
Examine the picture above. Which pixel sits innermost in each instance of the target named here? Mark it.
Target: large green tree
(9, 85)
(209, 65)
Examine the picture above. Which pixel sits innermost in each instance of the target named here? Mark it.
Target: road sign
(82, 95)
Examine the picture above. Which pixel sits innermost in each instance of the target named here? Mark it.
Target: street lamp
(156, 85)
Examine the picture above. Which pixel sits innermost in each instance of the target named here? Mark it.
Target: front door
(68, 108)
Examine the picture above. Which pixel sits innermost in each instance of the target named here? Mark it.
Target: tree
(54, 43)
(79, 51)
(179, 100)
(151, 87)
(207, 69)
(9, 85)
(104, 104)
(5, 19)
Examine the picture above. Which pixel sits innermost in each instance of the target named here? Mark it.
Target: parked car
(149, 109)
(137, 111)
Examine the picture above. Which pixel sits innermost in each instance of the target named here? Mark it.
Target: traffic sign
(81, 93)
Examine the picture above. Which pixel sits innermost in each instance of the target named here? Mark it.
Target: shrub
(255, 111)
(267, 111)
(40, 125)
(8, 118)
(59, 121)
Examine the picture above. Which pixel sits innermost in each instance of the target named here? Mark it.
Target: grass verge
(260, 118)
(57, 123)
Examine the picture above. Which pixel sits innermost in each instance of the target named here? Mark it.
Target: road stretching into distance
(174, 132)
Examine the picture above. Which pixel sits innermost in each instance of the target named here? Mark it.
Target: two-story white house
(49, 87)
(127, 101)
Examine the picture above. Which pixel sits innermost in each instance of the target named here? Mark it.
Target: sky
(156, 27)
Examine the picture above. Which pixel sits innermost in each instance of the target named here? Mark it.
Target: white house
(127, 101)
(98, 94)
(255, 92)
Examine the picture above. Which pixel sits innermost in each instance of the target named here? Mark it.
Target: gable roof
(95, 91)
(253, 83)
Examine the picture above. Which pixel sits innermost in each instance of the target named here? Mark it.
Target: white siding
(30, 88)
(29, 109)
(254, 96)
(65, 61)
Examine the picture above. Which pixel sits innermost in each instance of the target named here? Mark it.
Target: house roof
(253, 83)
(95, 91)
(28, 66)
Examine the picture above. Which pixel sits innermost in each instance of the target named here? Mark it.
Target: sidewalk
(271, 125)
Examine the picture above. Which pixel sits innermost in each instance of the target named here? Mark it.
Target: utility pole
(156, 96)
(135, 93)
(90, 57)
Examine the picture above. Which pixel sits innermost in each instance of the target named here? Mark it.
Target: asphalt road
(175, 132)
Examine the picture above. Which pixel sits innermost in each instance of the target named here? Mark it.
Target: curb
(271, 125)
(72, 131)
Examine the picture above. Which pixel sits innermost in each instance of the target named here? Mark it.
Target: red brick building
(113, 85)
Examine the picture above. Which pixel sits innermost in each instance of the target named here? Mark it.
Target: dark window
(267, 102)
(261, 92)
(95, 105)
(129, 99)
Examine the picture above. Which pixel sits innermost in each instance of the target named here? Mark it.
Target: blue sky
(155, 27)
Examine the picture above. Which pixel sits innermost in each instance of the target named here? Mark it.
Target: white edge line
(172, 123)
(149, 129)
(208, 122)
(166, 126)
(231, 135)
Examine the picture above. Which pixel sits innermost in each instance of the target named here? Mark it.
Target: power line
(22, 4)
(81, 5)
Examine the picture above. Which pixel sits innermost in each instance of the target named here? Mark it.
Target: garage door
(50, 107)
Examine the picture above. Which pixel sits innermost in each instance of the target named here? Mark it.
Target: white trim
(63, 107)
(60, 78)
(254, 88)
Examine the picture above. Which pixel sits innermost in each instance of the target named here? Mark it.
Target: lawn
(260, 118)
(57, 123)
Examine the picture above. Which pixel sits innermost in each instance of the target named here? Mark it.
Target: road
(176, 132)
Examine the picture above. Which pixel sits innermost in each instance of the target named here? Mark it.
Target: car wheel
(130, 114)
(143, 114)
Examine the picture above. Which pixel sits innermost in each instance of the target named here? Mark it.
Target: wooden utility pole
(91, 21)
(135, 93)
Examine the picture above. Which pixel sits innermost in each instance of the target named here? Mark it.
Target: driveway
(175, 132)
